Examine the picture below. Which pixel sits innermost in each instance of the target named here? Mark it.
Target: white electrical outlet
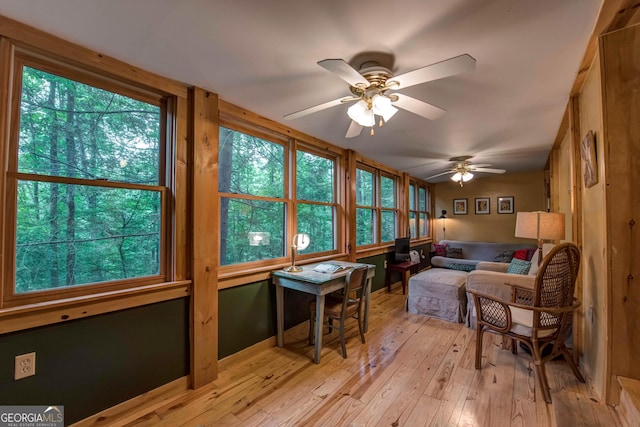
(25, 366)
(385, 263)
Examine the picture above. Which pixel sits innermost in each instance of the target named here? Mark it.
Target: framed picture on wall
(482, 206)
(505, 205)
(459, 206)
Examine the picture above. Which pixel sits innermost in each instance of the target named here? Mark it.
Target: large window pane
(244, 216)
(365, 226)
(424, 222)
(72, 234)
(388, 192)
(75, 130)
(364, 188)
(314, 177)
(250, 165)
(388, 226)
(317, 221)
(423, 199)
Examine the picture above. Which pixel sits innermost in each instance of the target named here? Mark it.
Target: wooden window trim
(17, 58)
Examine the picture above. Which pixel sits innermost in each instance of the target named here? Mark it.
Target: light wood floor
(413, 371)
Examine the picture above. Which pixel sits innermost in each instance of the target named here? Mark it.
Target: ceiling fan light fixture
(463, 176)
(456, 177)
(367, 119)
(467, 176)
(357, 111)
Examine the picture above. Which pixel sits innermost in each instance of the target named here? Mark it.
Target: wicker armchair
(539, 317)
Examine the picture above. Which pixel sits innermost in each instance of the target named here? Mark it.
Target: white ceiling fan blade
(440, 174)
(319, 107)
(489, 170)
(483, 165)
(343, 70)
(354, 130)
(448, 67)
(418, 107)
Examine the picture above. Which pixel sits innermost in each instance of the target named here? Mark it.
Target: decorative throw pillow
(521, 254)
(454, 252)
(460, 267)
(441, 250)
(519, 266)
(530, 253)
(503, 256)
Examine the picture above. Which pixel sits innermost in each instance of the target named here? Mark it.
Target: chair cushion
(522, 323)
(519, 266)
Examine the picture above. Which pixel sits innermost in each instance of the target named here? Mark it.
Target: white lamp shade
(467, 176)
(456, 177)
(540, 225)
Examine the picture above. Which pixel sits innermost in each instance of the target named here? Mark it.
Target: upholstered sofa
(471, 253)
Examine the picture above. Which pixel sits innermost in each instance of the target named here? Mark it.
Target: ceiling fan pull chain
(372, 133)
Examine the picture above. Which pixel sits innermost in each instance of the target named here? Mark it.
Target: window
(252, 189)
(84, 183)
(376, 207)
(316, 200)
(418, 210)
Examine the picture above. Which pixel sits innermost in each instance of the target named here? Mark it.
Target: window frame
(334, 204)
(416, 211)
(23, 57)
(377, 205)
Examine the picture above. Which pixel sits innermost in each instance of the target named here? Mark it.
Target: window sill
(46, 313)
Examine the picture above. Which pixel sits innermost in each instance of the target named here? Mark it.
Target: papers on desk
(330, 268)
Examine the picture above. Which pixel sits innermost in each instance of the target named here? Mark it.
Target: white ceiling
(261, 55)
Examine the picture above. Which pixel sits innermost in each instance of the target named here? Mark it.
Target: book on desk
(330, 268)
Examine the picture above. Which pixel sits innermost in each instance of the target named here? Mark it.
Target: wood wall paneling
(621, 104)
(204, 300)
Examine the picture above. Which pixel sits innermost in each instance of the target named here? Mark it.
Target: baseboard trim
(132, 409)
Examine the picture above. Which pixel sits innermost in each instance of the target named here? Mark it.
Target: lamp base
(293, 269)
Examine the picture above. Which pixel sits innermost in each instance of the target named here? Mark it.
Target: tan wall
(527, 189)
(594, 271)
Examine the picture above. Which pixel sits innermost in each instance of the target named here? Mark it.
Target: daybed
(458, 252)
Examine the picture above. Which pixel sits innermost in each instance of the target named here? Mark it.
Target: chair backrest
(356, 279)
(555, 283)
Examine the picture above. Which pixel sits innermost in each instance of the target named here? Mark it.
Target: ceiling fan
(371, 85)
(463, 170)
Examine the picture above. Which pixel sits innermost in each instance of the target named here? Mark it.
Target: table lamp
(300, 242)
(540, 226)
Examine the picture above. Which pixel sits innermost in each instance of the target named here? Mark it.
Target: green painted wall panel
(91, 364)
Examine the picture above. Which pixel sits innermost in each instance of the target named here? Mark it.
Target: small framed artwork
(505, 205)
(588, 155)
(482, 206)
(459, 206)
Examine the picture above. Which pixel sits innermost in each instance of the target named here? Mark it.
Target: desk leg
(319, 326)
(367, 295)
(280, 314)
(405, 280)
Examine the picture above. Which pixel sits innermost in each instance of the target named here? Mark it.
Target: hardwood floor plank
(412, 371)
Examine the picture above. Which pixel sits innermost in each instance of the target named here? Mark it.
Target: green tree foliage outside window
(254, 167)
(72, 227)
(315, 194)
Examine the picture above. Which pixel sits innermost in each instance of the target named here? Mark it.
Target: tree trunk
(70, 199)
(54, 195)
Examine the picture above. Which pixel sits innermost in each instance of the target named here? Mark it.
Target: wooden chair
(342, 305)
(539, 317)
